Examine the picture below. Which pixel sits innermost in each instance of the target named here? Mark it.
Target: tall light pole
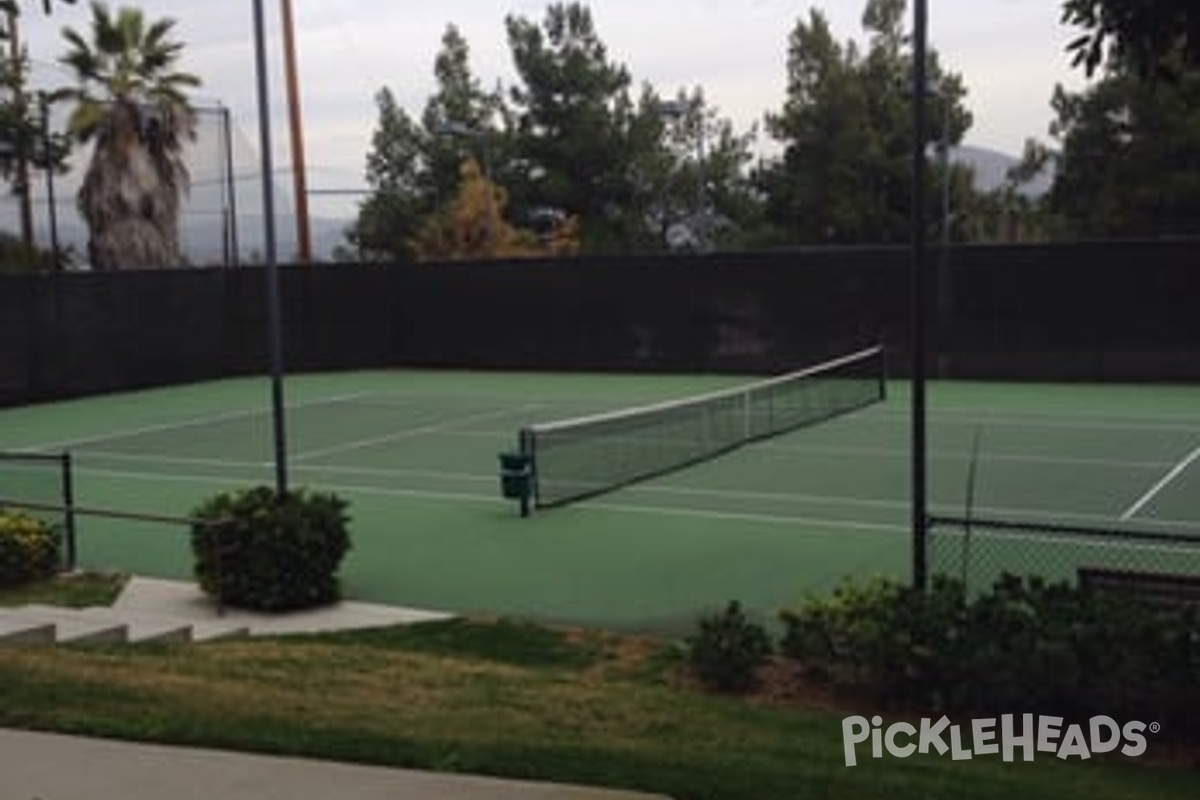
(943, 311)
(458, 130)
(274, 316)
(920, 293)
(51, 198)
(232, 247)
(677, 111)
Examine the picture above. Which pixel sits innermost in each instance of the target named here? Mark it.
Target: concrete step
(17, 631)
(70, 626)
(152, 626)
(141, 628)
(214, 631)
(49, 624)
(150, 610)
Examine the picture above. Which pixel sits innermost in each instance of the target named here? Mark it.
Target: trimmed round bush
(260, 550)
(28, 548)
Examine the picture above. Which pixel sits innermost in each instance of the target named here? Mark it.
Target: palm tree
(130, 104)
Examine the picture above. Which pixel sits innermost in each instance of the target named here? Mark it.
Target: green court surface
(415, 453)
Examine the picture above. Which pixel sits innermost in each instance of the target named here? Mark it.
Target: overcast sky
(1010, 53)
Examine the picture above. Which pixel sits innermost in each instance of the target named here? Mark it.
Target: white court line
(633, 489)
(409, 433)
(883, 452)
(623, 508)
(218, 480)
(1046, 419)
(193, 422)
(216, 463)
(497, 500)
(736, 516)
(1157, 488)
(1099, 541)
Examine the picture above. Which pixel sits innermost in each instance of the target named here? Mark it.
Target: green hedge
(1025, 646)
(270, 552)
(29, 549)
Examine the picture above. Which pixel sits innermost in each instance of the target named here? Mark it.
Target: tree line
(635, 168)
(577, 156)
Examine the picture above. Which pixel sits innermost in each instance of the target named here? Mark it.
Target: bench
(1161, 587)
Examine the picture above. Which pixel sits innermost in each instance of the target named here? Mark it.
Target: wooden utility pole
(299, 182)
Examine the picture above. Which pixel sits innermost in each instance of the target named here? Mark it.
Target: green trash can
(516, 479)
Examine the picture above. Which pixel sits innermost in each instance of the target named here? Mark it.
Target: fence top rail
(1067, 529)
(109, 513)
(30, 455)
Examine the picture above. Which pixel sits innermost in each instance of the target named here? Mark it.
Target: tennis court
(415, 452)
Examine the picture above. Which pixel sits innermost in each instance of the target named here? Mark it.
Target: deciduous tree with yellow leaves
(472, 226)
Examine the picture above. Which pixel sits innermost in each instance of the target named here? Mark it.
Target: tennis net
(577, 458)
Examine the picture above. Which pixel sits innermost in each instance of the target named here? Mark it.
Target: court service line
(1047, 419)
(1124, 545)
(841, 501)
(739, 494)
(182, 461)
(1157, 488)
(948, 454)
(258, 466)
(497, 500)
(192, 422)
(409, 433)
(219, 480)
(490, 499)
(401, 473)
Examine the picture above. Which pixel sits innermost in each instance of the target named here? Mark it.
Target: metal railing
(55, 498)
(71, 511)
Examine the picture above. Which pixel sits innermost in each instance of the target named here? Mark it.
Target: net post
(68, 494)
(883, 373)
(747, 419)
(526, 445)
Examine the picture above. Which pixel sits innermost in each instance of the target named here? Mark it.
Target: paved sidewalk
(183, 600)
(38, 766)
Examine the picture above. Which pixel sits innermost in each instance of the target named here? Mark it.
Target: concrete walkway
(37, 766)
(183, 600)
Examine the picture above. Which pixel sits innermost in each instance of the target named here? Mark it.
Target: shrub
(880, 638)
(271, 552)
(28, 548)
(1025, 646)
(728, 649)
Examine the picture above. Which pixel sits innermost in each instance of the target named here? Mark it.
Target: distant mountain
(203, 236)
(991, 170)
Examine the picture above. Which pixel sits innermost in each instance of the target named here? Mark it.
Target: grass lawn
(75, 590)
(510, 699)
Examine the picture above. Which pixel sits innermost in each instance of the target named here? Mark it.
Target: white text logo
(1026, 735)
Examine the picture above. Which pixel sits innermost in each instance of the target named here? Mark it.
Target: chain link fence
(978, 551)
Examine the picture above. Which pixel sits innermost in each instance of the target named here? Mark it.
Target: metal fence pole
(920, 516)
